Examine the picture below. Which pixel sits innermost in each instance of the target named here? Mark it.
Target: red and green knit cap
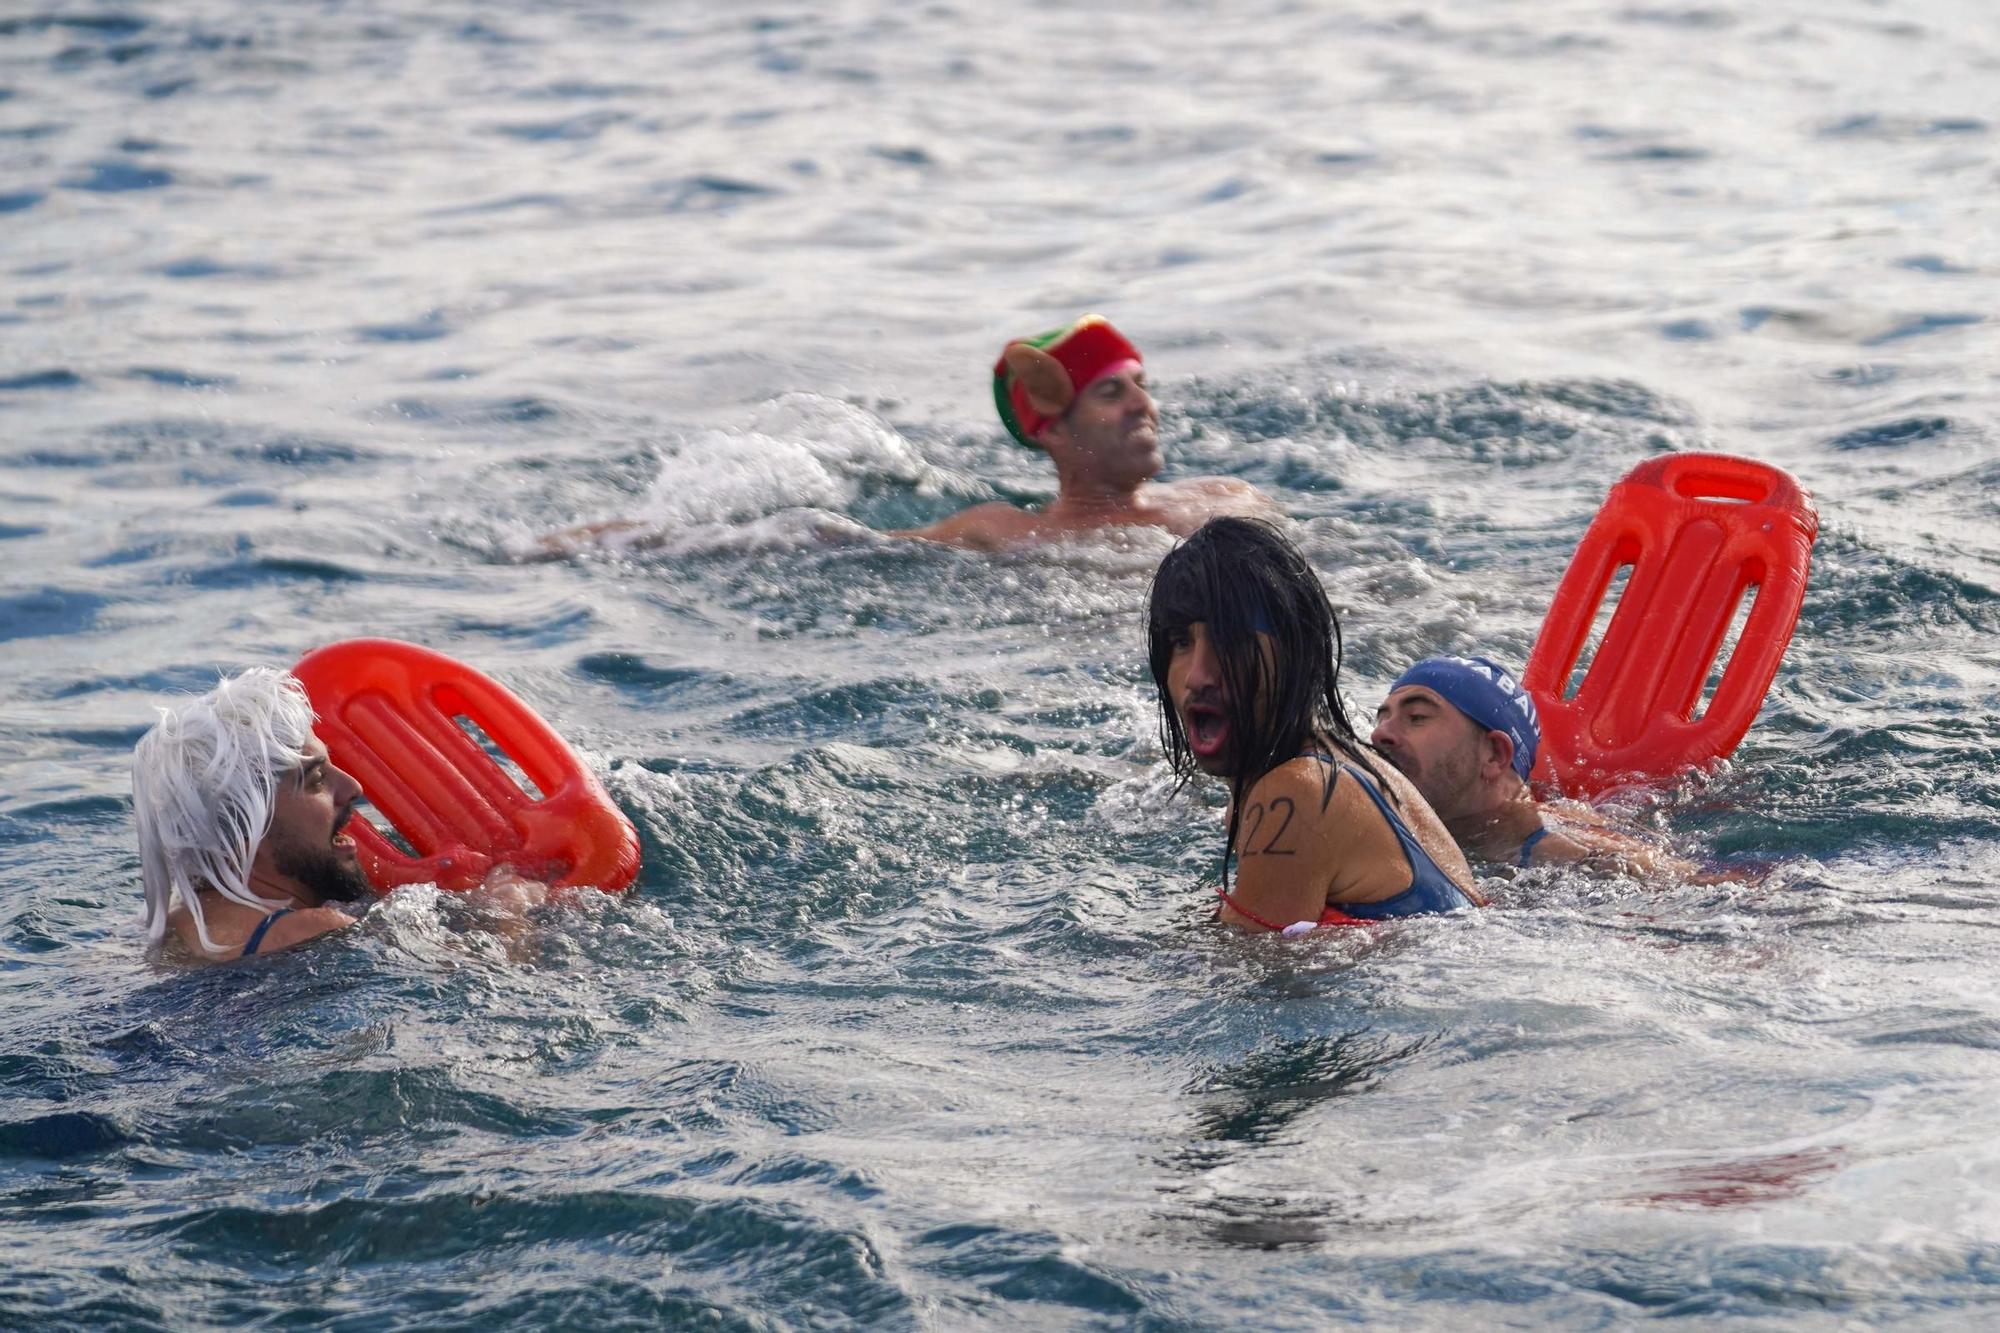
(1087, 351)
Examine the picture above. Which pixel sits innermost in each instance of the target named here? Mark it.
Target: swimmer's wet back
(403, 720)
(1696, 535)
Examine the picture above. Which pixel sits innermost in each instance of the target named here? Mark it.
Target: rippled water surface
(315, 315)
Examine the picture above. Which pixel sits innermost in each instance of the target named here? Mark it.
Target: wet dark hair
(1239, 576)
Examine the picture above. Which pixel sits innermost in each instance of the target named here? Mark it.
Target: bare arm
(987, 527)
(1284, 853)
(569, 541)
(1608, 851)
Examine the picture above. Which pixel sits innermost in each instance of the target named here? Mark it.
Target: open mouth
(1207, 729)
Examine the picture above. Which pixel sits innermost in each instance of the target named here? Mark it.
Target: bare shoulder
(1228, 495)
(1340, 807)
(1219, 486)
(984, 527)
(1375, 864)
(1285, 809)
(1284, 857)
(301, 925)
(1304, 776)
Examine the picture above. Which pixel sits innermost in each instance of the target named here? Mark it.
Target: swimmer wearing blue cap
(1465, 732)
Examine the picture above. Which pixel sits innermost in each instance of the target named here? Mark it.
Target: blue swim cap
(1487, 693)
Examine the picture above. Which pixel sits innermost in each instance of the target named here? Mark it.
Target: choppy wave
(319, 322)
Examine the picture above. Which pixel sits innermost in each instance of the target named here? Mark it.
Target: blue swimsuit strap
(1429, 884)
(1412, 849)
(257, 935)
(1528, 846)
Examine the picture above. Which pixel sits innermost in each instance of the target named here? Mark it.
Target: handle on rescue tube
(392, 713)
(1697, 532)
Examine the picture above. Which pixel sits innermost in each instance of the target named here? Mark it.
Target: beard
(322, 873)
(1448, 786)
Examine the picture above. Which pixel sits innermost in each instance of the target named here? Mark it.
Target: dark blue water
(315, 315)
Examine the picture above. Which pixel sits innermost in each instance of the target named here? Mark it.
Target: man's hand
(505, 890)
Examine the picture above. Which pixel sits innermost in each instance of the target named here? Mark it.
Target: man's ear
(1499, 749)
(1042, 377)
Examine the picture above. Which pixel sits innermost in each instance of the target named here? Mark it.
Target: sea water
(317, 316)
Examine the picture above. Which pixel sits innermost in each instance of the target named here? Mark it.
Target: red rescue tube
(1697, 531)
(392, 715)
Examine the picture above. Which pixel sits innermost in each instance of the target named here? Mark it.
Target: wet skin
(1113, 428)
(304, 860)
(1200, 698)
(307, 855)
(1466, 773)
(1308, 837)
(1106, 450)
(1432, 744)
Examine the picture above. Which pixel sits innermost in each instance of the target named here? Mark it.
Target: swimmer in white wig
(240, 818)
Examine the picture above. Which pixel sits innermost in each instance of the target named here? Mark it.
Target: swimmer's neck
(1094, 499)
(288, 893)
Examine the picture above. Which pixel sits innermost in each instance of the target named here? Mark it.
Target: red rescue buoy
(1697, 532)
(393, 715)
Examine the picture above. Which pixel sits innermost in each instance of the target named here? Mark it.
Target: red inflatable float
(1698, 532)
(393, 715)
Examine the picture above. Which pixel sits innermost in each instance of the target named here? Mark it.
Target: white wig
(204, 786)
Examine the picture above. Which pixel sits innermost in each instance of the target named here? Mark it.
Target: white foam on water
(788, 477)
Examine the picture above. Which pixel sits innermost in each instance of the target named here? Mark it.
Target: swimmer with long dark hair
(1245, 650)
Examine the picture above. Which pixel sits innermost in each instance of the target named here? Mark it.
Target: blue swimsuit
(1431, 890)
(257, 935)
